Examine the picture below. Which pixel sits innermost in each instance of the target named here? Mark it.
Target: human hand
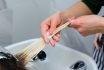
(49, 25)
(95, 40)
(87, 25)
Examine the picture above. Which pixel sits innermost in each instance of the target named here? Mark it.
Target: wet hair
(9, 62)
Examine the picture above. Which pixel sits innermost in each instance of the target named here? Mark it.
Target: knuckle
(81, 31)
(78, 23)
(75, 23)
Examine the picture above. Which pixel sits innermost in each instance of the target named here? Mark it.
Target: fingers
(57, 37)
(49, 25)
(52, 27)
(74, 23)
(54, 39)
(54, 24)
(55, 21)
(95, 40)
(52, 42)
(44, 28)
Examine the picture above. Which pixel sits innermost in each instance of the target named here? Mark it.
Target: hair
(9, 65)
(9, 62)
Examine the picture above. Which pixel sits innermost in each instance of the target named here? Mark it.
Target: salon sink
(58, 58)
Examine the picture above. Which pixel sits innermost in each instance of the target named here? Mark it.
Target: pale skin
(87, 25)
(84, 22)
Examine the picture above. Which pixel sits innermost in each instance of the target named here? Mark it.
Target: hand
(49, 25)
(95, 40)
(87, 25)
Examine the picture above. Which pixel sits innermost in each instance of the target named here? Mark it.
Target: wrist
(102, 25)
(63, 17)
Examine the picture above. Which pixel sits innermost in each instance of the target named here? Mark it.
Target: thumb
(73, 22)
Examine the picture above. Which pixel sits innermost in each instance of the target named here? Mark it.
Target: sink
(58, 58)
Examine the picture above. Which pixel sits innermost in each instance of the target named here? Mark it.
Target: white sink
(58, 58)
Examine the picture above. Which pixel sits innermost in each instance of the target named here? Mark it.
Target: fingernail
(59, 35)
(52, 44)
(51, 32)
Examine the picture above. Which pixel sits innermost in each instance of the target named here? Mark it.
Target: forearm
(77, 9)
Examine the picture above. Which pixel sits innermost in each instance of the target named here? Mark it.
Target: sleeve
(93, 5)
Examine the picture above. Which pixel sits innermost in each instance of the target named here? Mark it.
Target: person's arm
(78, 9)
(84, 7)
(89, 24)
(94, 5)
(52, 22)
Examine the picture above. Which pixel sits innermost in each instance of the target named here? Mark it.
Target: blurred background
(20, 20)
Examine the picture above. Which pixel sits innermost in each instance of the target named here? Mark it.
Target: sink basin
(58, 58)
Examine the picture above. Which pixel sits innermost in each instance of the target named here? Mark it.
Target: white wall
(2, 4)
(5, 27)
(27, 15)
(5, 24)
